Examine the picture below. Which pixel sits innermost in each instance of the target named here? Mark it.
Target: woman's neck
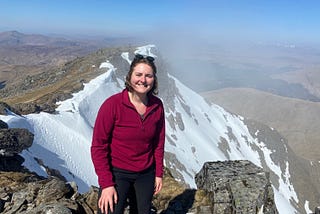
(138, 98)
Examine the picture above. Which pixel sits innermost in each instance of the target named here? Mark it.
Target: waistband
(150, 168)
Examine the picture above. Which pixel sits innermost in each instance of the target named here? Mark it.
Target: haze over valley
(288, 70)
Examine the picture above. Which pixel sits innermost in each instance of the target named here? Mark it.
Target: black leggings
(138, 187)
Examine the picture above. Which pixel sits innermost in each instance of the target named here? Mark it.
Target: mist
(206, 62)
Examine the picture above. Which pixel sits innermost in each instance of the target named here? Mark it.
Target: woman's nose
(143, 79)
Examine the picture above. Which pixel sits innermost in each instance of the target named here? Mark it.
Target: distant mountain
(32, 49)
(14, 38)
(197, 131)
(308, 77)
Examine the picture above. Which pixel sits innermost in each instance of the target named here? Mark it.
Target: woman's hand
(107, 199)
(157, 185)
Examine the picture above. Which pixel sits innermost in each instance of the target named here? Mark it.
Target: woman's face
(142, 78)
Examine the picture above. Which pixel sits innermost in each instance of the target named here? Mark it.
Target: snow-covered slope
(197, 132)
(206, 127)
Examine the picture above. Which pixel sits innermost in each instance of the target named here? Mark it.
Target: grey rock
(24, 193)
(50, 209)
(4, 108)
(3, 125)
(13, 141)
(238, 187)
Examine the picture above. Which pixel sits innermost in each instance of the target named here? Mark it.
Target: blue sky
(294, 20)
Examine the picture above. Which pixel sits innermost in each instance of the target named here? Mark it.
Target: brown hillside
(308, 77)
(45, 88)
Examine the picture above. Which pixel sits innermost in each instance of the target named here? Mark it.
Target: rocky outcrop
(28, 193)
(4, 108)
(3, 125)
(32, 107)
(13, 141)
(237, 187)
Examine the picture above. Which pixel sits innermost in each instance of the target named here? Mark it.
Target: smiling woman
(128, 142)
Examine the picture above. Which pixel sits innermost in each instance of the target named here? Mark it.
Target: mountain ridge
(196, 128)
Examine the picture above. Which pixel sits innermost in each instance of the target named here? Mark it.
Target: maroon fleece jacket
(121, 138)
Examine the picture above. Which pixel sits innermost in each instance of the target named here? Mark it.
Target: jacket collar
(152, 100)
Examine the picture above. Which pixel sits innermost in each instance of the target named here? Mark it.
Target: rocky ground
(40, 91)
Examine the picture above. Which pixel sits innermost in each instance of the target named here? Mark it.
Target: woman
(128, 141)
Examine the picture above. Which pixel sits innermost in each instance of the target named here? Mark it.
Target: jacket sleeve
(100, 147)
(159, 146)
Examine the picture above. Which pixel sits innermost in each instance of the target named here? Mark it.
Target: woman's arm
(100, 148)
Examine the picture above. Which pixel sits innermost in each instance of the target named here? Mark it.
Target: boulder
(29, 193)
(4, 108)
(237, 187)
(3, 125)
(13, 141)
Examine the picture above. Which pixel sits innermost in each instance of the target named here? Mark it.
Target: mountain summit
(197, 132)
